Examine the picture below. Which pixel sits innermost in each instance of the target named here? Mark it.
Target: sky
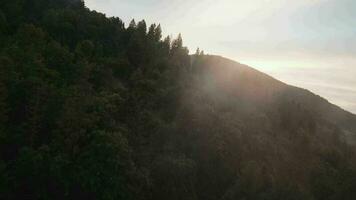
(306, 43)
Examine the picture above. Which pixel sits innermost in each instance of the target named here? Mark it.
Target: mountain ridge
(271, 76)
(332, 111)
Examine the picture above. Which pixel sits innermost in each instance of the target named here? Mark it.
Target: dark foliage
(90, 109)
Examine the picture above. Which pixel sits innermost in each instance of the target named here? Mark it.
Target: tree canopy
(93, 109)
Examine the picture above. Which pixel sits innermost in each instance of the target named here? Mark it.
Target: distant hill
(254, 86)
(91, 108)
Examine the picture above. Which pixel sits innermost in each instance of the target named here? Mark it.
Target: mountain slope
(268, 131)
(93, 109)
(246, 82)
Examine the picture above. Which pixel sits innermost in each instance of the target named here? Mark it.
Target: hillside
(245, 82)
(93, 109)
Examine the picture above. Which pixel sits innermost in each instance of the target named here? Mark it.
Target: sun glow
(275, 36)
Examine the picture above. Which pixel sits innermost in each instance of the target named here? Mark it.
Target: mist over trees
(93, 109)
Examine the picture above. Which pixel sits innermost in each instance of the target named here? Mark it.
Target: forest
(91, 108)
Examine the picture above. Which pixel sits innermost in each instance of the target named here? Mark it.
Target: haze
(306, 43)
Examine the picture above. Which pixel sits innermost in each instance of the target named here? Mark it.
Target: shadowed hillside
(93, 109)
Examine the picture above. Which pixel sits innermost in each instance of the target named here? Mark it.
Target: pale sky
(306, 43)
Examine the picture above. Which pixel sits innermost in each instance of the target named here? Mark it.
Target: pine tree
(142, 27)
(151, 30)
(177, 43)
(158, 33)
(197, 52)
(132, 24)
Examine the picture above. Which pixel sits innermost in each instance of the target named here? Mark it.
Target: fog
(307, 43)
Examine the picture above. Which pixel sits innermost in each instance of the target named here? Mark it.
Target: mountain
(245, 82)
(93, 109)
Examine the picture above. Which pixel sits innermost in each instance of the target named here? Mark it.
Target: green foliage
(90, 109)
